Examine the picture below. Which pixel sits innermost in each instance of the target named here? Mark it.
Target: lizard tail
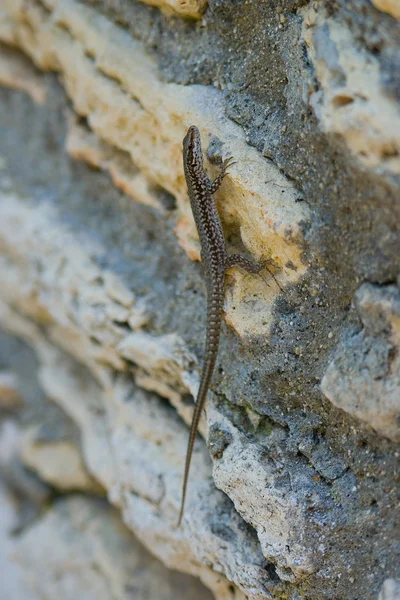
(213, 331)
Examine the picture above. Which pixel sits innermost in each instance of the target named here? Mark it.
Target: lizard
(216, 261)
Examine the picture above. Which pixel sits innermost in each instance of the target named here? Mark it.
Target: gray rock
(95, 557)
(390, 590)
(364, 376)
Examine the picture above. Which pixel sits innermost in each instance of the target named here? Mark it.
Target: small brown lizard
(215, 260)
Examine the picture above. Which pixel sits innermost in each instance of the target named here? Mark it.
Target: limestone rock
(18, 72)
(95, 557)
(390, 590)
(58, 462)
(13, 585)
(389, 6)
(102, 309)
(185, 8)
(9, 393)
(67, 32)
(364, 375)
(351, 101)
(108, 412)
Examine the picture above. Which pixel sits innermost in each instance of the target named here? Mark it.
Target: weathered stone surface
(13, 586)
(390, 590)
(96, 284)
(116, 77)
(364, 375)
(84, 144)
(9, 394)
(109, 412)
(389, 6)
(27, 490)
(58, 462)
(186, 8)
(95, 557)
(350, 100)
(19, 73)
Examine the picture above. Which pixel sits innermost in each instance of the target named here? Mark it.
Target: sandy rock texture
(293, 491)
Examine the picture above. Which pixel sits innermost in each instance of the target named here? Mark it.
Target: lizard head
(192, 147)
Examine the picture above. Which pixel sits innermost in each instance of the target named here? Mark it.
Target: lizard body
(215, 261)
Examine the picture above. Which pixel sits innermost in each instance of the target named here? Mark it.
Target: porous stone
(390, 590)
(120, 79)
(58, 462)
(350, 100)
(100, 282)
(95, 557)
(364, 376)
(92, 400)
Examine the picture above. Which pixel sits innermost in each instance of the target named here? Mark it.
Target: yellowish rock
(392, 7)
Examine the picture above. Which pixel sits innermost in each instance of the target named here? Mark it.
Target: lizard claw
(228, 162)
(267, 268)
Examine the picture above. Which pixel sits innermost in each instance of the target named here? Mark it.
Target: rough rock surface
(96, 556)
(102, 308)
(364, 376)
(13, 585)
(390, 590)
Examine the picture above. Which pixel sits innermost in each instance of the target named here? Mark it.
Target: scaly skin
(215, 261)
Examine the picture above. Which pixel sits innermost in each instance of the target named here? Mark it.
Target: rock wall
(293, 491)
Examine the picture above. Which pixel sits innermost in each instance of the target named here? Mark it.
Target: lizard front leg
(214, 185)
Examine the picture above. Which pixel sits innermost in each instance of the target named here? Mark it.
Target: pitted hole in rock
(272, 574)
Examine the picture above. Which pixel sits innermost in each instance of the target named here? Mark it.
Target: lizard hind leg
(240, 261)
(250, 266)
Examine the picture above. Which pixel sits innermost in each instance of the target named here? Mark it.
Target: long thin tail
(213, 331)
